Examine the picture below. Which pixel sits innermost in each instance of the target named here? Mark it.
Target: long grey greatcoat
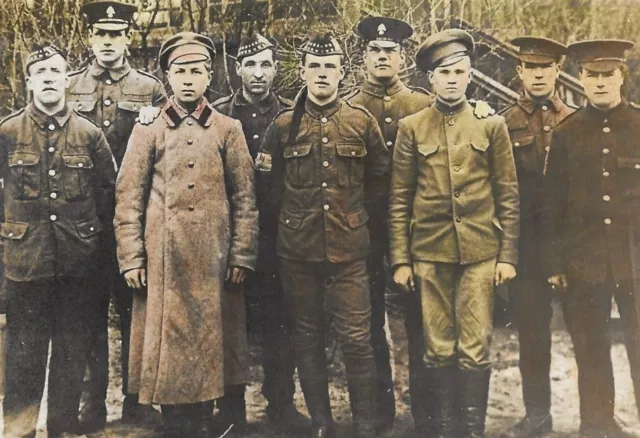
(185, 210)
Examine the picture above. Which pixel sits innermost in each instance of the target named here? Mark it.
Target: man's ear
(403, 58)
(343, 72)
(129, 35)
(28, 83)
(519, 70)
(302, 72)
(238, 67)
(430, 76)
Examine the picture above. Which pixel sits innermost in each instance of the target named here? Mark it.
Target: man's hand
(148, 114)
(136, 278)
(403, 276)
(559, 281)
(483, 110)
(236, 274)
(505, 272)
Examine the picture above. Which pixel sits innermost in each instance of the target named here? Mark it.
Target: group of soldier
(188, 214)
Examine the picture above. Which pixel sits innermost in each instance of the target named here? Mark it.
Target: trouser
(345, 289)
(57, 310)
(457, 312)
(587, 309)
(531, 298)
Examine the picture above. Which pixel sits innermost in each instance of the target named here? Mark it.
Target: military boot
(363, 394)
(232, 411)
(473, 394)
(92, 417)
(442, 383)
(136, 414)
(316, 396)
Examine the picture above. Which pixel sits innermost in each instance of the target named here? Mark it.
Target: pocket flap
(89, 228)
(358, 218)
(523, 140)
(131, 106)
(629, 163)
(23, 159)
(297, 151)
(13, 230)
(427, 149)
(291, 220)
(351, 150)
(480, 145)
(84, 105)
(78, 161)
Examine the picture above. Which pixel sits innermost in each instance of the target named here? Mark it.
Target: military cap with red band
(384, 31)
(186, 48)
(251, 45)
(109, 14)
(444, 48)
(600, 55)
(322, 44)
(539, 50)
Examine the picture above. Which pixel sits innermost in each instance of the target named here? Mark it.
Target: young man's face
(257, 72)
(189, 82)
(48, 80)
(383, 62)
(450, 82)
(322, 74)
(538, 80)
(603, 89)
(109, 46)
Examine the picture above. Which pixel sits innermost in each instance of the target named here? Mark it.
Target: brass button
(545, 107)
(191, 164)
(516, 144)
(190, 141)
(388, 120)
(52, 172)
(10, 234)
(92, 229)
(52, 149)
(80, 165)
(253, 115)
(53, 195)
(458, 219)
(287, 221)
(191, 208)
(456, 168)
(109, 82)
(255, 136)
(605, 151)
(326, 207)
(295, 153)
(452, 122)
(191, 185)
(325, 163)
(325, 140)
(387, 98)
(389, 143)
(637, 166)
(607, 221)
(546, 128)
(456, 194)
(324, 184)
(353, 153)
(547, 148)
(605, 174)
(606, 198)
(107, 102)
(606, 130)
(106, 123)
(189, 122)
(52, 127)
(53, 217)
(20, 162)
(323, 120)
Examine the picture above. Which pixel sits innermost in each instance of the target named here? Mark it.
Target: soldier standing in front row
(531, 121)
(453, 224)
(57, 169)
(319, 158)
(115, 97)
(255, 105)
(592, 231)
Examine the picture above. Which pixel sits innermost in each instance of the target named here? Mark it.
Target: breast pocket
(127, 116)
(350, 164)
(427, 152)
(25, 175)
(629, 171)
(86, 107)
(524, 152)
(76, 177)
(299, 165)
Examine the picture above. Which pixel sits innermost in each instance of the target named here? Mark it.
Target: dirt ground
(505, 402)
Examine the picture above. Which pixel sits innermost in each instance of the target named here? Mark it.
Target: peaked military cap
(109, 14)
(185, 48)
(385, 31)
(250, 45)
(322, 44)
(444, 48)
(600, 55)
(41, 54)
(539, 50)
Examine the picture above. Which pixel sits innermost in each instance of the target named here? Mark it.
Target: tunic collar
(448, 109)
(263, 106)
(43, 120)
(117, 73)
(380, 90)
(610, 114)
(529, 105)
(316, 111)
(175, 114)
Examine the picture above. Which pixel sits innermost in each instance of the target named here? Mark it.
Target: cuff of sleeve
(242, 262)
(138, 264)
(400, 259)
(508, 256)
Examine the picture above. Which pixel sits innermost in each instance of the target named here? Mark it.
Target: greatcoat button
(605, 151)
(607, 221)
(191, 164)
(606, 130)
(606, 198)
(191, 208)
(52, 172)
(326, 207)
(547, 128)
(191, 185)
(190, 141)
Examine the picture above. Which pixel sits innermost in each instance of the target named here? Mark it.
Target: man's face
(603, 89)
(450, 82)
(322, 74)
(189, 82)
(109, 46)
(257, 72)
(538, 80)
(383, 62)
(48, 80)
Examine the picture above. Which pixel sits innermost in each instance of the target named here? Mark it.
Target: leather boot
(473, 394)
(92, 417)
(363, 394)
(136, 414)
(173, 421)
(442, 383)
(316, 397)
(232, 410)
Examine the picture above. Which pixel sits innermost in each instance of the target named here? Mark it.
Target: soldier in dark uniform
(531, 121)
(115, 97)
(319, 158)
(453, 225)
(591, 223)
(58, 169)
(256, 105)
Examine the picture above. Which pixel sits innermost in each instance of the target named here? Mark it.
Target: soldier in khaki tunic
(57, 169)
(319, 158)
(592, 230)
(531, 121)
(453, 224)
(115, 97)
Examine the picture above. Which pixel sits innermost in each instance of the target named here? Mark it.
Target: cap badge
(111, 12)
(382, 29)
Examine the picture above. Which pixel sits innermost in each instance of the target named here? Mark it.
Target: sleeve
(404, 178)
(377, 166)
(159, 95)
(244, 213)
(505, 192)
(556, 195)
(132, 189)
(105, 171)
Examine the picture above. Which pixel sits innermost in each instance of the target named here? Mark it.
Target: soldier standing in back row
(531, 122)
(115, 97)
(255, 105)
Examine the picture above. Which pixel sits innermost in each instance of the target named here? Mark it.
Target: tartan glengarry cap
(250, 45)
(109, 14)
(185, 48)
(444, 48)
(322, 44)
(41, 54)
(539, 50)
(600, 55)
(384, 31)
